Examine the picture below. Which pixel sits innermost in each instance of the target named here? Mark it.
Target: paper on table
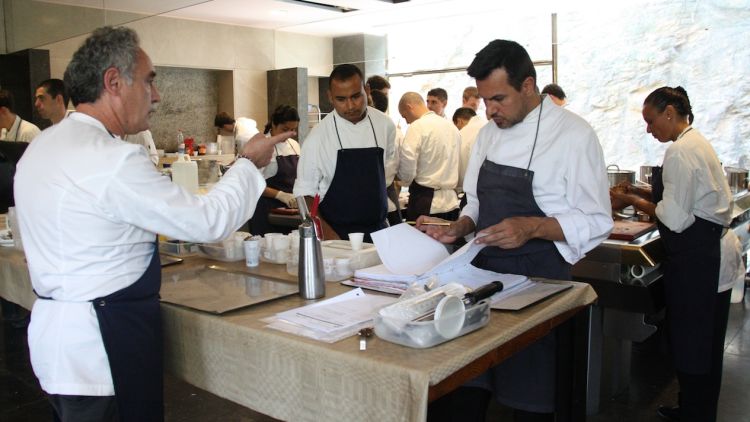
(339, 313)
(406, 250)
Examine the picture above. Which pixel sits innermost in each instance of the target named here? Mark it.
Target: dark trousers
(699, 393)
(84, 408)
(469, 404)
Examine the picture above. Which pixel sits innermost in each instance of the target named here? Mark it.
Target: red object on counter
(314, 217)
(189, 146)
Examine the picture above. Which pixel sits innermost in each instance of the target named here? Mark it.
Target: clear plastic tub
(177, 248)
(222, 252)
(424, 334)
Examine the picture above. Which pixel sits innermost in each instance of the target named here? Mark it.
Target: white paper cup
(356, 240)
(252, 252)
(342, 266)
(329, 266)
(281, 242)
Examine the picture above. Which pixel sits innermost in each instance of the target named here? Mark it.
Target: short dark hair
(554, 89)
(223, 118)
(7, 101)
(106, 47)
(440, 93)
(377, 83)
(463, 113)
(676, 97)
(344, 72)
(506, 54)
(379, 100)
(283, 113)
(55, 87)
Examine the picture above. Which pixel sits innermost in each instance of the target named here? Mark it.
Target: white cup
(252, 252)
(281, 243)
(342, 267)
(328, 266)
(355, 239)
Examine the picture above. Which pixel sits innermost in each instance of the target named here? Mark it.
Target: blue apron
(356, 199)
(526, 380)
(130, 324)
(283, 180)
(691, 280)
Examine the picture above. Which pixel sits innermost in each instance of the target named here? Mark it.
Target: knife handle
(483, 292)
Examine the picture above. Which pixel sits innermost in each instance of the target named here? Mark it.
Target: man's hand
(514, 232)
(445, 234)
(621, 200)
(259, 149)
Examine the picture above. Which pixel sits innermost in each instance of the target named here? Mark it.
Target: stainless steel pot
(617, 176)
(737, 178)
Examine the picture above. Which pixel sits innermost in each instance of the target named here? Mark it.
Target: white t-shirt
(90, 206)
(20, 131)
(570, 178)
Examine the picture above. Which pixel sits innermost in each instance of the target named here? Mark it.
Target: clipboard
(536, 291)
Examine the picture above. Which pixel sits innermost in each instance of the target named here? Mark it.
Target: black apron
(420, 200)
(691, 280)
(356, 199)
(283, 180)
(130, 324)
(527, 379)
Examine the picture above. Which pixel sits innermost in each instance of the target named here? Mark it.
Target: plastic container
(185, 173)
(366, 257)
(222, 251)
(177, 248)
(424, 334)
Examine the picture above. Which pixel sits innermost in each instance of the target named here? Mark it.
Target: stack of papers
(410, 256)
(333, 319)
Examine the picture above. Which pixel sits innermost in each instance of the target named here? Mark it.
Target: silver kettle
(311, 274)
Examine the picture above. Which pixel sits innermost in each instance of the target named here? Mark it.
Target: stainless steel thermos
(312, 282)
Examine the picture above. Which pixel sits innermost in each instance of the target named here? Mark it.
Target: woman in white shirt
(281, 173)
(692, 203)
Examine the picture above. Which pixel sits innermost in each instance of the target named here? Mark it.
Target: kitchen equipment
(185, 173)
(737, 179)
(617, 176)
(630, 230)
(208, 171)
(311, 272)
(646, 174)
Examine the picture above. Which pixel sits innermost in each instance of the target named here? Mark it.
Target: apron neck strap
(536, 135)
(339, 136)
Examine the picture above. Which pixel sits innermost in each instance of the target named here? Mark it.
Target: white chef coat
(21, 131)
(145, 139)
(89, 206)
(468, 137)
(429, 155)
(392, 165)
(283, 149)
(694, 184)
(317, 161)
(244, 129)
(570, 178)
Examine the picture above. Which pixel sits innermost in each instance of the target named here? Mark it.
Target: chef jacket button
(102, 302)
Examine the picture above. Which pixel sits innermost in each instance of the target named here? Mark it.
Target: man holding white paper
(537, 190)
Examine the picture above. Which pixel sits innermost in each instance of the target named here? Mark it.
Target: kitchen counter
(295, 378)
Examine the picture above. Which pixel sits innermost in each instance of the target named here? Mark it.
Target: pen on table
(431, 223)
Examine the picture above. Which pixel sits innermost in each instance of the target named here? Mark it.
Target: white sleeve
(675, 208)
(407, 162)
(309, 173)
(588, 220)
(477, 155)
(139, 195)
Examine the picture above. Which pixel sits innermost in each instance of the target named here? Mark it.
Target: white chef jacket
(90, 206)
(244, 129)
(145, 139)
(468, 137)
(392, 165)
(21, 131)
(283, 149)
(570, 178)
(317, 161)
(694, 184)
(429, 155)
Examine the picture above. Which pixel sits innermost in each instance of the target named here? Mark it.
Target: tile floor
(652, 383)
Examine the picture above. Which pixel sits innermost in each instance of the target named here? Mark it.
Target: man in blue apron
(537, 196)
(343, 160)
(95, 334)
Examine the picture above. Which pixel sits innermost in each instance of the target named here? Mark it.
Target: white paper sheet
(338, 313)
(406, 250)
